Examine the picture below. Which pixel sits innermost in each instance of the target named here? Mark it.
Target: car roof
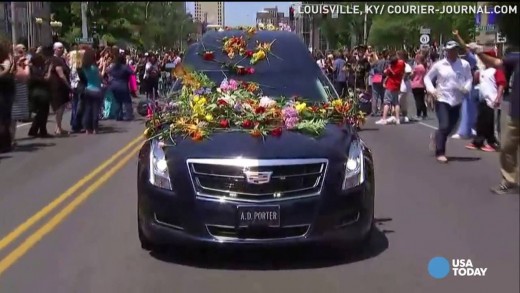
(289, 53)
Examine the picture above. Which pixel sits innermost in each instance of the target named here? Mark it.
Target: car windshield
(288, 71)
(309, 87)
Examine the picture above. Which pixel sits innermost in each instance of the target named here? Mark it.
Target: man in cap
(454, 82)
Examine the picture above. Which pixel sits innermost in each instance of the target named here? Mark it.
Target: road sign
(84, 40)
(424, 39)
(425, 46)
(425, 31)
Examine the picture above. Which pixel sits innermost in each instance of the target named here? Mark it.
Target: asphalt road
(423, 209)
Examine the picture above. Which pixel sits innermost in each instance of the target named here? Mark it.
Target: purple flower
(237, 107)
(224, 85)
(199, 91)
(290, 117)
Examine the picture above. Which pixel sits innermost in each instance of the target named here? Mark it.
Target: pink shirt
(418, 76)
(132, 84)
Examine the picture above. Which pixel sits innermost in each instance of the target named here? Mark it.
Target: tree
(143, 24)
(405, 29)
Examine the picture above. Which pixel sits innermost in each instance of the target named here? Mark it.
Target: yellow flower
(202, 101)
(196, 98)
(261, 54)
(300, 107)
(337, 102)
(146, 132)
(209, 118)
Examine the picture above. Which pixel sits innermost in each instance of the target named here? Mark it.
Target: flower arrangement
(237, 106)
(203, 108)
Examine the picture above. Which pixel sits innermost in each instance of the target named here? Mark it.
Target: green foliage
(142, 24)
(394, 30)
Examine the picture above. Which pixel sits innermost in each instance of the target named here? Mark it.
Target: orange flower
(197, 136)
(255, 133)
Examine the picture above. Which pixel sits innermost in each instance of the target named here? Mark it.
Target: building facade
(271, 16)
(32, 25)
(210, 13)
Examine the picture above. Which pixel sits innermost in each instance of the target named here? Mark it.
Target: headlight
(354, 166)
(159, 175)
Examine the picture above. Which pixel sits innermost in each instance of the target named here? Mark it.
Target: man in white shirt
(454, 81)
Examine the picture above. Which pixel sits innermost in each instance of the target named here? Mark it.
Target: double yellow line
(117, 161)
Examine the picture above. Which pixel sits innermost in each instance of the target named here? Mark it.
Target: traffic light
(291, 13)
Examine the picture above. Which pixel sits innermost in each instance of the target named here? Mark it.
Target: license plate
(259, 216)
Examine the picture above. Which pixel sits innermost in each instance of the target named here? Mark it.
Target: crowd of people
(463, 85)
(95, 83)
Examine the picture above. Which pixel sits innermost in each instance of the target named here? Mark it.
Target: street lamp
(55, 25)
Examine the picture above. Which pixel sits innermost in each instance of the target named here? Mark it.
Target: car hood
(332, 144)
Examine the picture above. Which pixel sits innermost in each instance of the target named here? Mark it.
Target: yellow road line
(34, 238)
(13, 235)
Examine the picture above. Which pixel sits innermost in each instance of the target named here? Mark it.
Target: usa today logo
(440, 267)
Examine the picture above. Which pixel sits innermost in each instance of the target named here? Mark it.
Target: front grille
(263, 233)
(227, 178)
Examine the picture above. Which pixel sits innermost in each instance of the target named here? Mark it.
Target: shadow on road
(293, 258)
(31, 147)
(105, 129)
(463, 159)
(368, 129)
(4, 157)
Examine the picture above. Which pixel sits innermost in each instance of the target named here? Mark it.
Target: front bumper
(167, 217)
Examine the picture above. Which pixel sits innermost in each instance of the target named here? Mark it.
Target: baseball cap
(451, 45)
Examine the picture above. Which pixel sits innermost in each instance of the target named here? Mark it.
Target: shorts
(391, 98)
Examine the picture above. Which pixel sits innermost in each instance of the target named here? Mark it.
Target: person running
(511, 137)
(454, 82)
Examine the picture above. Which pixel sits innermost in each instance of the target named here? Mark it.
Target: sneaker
(391, 119)
(406, 119)
(442, 159)
(382, 122)
(472, 146)
(505, 188)
(489, 149)
(456, 136)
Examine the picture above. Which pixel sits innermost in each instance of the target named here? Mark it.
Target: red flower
(224, 123)
(247, 123)
(222, 102)
(276, 132)
(241, 70)
(249, 53)
(208, 56)
(259, 110)
(250, 70)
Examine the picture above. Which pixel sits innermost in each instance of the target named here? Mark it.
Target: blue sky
(244, 13)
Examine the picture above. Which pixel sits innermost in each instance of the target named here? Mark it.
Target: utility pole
(84, 21)
(13, 23)
(365, 30)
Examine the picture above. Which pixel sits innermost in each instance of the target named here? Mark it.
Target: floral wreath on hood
(203, 107)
